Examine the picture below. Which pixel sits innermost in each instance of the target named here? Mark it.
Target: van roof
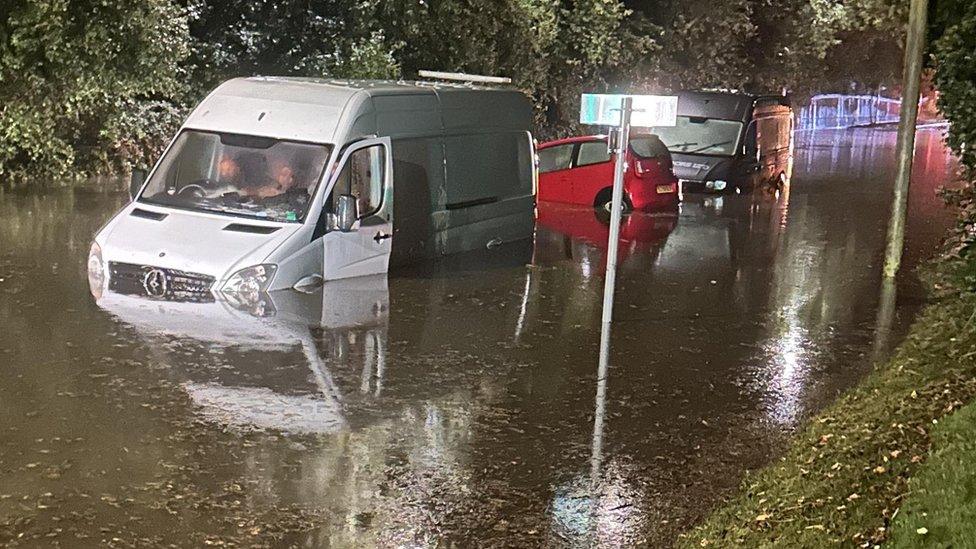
(723, 105)
(305, 89)
(311, 109)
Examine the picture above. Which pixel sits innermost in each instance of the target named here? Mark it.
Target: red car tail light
(646, 167)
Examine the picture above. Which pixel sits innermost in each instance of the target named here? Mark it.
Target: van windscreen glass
(238, 175)
(695, 135)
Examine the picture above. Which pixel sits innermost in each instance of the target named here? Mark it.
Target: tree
(551, 49)
(87, 85)
(286, 38)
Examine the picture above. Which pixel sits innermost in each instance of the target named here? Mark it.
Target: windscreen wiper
(237, 211)
(709, 146)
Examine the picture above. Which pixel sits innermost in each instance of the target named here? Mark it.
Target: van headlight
(96, 270)
(720, 184)
(255, 279)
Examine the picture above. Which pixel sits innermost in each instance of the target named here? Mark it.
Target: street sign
(648, 110)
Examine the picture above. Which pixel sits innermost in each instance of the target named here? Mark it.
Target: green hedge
(87, 86)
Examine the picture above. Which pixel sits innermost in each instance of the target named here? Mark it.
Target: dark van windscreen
(695, 135)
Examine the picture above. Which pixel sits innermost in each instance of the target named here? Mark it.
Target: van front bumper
(702, 186)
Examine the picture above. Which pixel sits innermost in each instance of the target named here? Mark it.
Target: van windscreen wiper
(709, 146)
(231, 210)
(688, 144)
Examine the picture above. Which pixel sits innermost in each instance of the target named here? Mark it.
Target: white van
(277, 183)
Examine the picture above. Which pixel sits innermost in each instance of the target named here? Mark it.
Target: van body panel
(504, 110)
(479, 226)
(405, 115)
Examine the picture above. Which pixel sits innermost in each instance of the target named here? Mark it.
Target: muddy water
(458, 403)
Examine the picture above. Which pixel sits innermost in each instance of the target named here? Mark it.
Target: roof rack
(463, 77)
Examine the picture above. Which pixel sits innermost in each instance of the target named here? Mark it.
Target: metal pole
(914, 52)
(599, 417)
(615, 206)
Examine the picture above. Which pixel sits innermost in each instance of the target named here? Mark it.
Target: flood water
(460, 403)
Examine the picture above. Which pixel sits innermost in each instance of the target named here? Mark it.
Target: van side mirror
(347, 212)
(136, 181)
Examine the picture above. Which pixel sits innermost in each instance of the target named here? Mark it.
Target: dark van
(726, 141)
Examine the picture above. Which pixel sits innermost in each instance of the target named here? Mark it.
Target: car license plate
(665, 189)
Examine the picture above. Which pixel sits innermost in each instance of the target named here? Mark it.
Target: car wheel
(604, 201)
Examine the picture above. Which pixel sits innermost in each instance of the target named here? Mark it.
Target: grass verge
(940, 510)
(847, 473)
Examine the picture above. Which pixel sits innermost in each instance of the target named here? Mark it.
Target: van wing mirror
(135, 182)
(347, 212)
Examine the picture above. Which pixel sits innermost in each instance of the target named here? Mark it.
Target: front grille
(159, 283)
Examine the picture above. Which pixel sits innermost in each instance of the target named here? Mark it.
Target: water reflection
(349, 312)
(578, 233)
(826, 277)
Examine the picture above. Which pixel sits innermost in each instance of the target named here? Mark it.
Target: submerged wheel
(604, 201)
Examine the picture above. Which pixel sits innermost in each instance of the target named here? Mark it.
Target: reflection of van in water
(730, 141)
(278, 182)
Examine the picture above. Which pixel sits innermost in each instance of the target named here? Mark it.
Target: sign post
(616, 205)
(623, 111)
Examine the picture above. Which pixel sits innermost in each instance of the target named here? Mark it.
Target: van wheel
(604, 201)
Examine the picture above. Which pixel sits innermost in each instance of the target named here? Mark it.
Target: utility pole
(914, 52)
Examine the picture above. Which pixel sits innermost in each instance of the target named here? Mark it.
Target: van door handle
(381, 236)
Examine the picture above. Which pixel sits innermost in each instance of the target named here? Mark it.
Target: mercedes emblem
(154, 282)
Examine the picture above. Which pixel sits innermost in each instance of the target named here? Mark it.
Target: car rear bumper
(646, 197)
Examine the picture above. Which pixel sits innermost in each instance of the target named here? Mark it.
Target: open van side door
(364, 172)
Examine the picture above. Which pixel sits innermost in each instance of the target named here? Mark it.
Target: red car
(579, 170)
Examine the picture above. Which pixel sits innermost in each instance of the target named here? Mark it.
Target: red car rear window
(648, 146)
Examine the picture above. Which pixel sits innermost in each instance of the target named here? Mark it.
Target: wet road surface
(459, 403)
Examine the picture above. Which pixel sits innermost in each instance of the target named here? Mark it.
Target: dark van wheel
(604, 200)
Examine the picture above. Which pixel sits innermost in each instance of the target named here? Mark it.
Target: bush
(955, 58)
(955, 55)
(79, 77)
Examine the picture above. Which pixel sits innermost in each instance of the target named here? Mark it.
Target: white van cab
(276, 183)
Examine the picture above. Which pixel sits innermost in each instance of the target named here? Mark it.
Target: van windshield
(696, 135)
(238, 175)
